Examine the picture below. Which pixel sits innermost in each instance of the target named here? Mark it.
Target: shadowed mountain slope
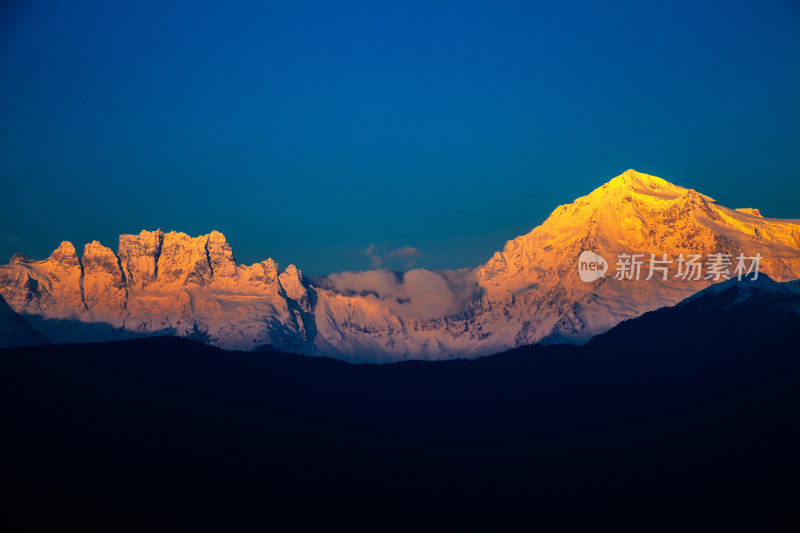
(684, 418)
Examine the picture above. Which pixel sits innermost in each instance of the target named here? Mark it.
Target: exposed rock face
(138, 256)
(221, 260)
(104, 287)
(750, 211)
(53, 287)
(258, 277)
(528, 292)
(291, 281)
(183, 261)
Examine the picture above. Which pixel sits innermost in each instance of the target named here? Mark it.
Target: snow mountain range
(161, 283)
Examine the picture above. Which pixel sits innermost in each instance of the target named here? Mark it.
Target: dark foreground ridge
(682, 419)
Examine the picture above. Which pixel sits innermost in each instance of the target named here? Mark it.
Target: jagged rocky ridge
(171, 283)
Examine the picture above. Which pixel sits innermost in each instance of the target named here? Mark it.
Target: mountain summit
(171, 283)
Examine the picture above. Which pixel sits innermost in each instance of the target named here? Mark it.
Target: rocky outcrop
(104, 288)
(220, 260)
(53, 287)
(750, 211)
(138, 255)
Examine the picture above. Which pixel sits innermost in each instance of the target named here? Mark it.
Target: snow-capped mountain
(171, 283)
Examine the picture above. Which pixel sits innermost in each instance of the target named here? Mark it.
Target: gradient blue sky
(308, 131)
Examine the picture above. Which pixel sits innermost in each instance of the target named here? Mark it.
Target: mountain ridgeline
(161, 283)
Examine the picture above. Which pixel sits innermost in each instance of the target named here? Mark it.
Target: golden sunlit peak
(631, 180)
(639, 180)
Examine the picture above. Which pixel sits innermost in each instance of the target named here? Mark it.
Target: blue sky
(308, 131)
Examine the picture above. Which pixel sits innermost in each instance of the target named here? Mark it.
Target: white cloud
(418, 293)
